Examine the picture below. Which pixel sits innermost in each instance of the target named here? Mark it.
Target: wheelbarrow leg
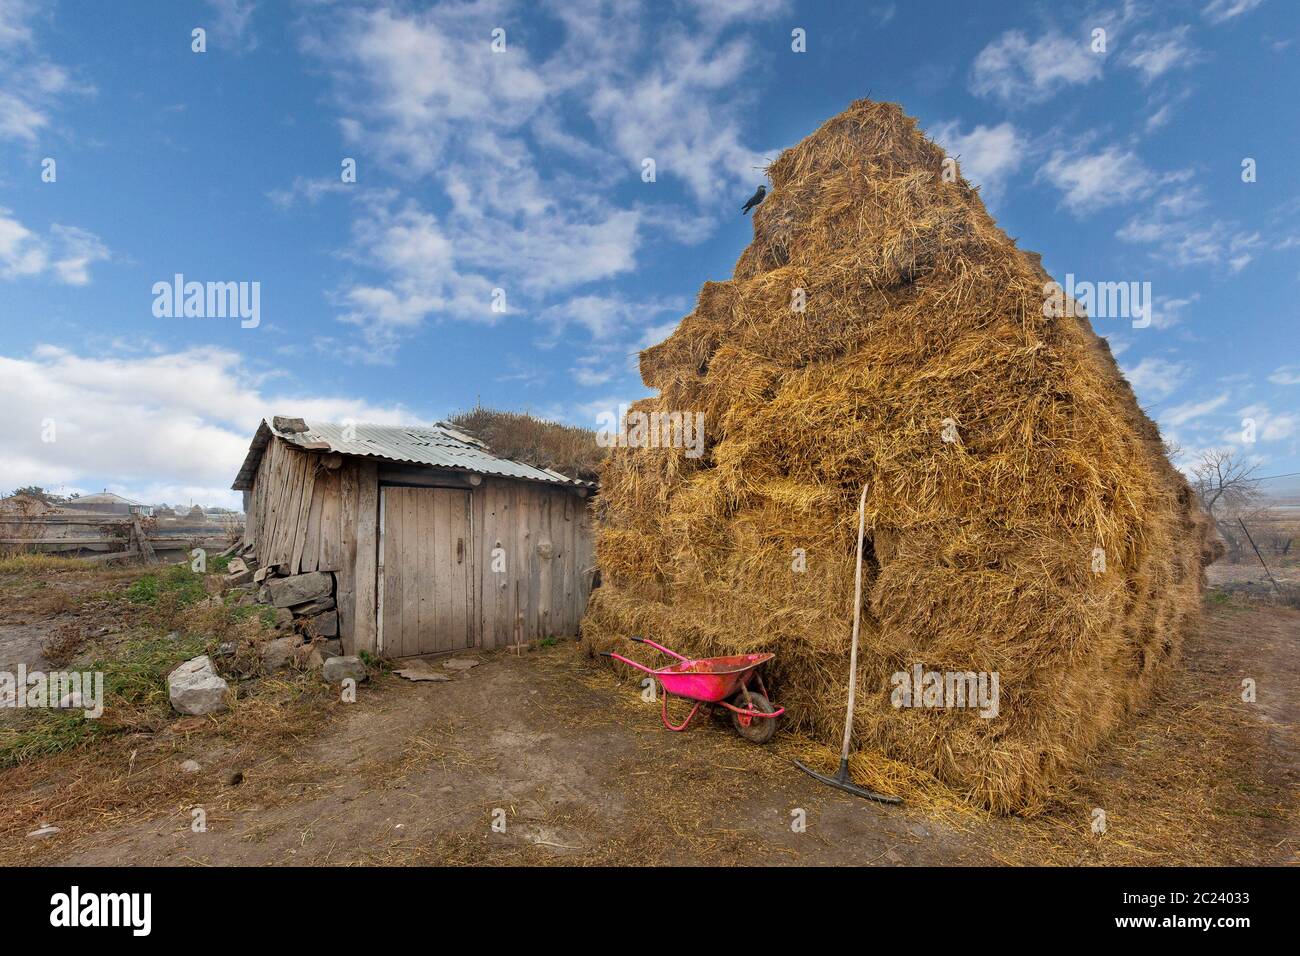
(663, 712)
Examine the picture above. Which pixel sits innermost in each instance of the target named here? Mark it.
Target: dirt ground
(575, 769)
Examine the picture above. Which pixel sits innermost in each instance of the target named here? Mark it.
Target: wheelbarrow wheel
(757, 729)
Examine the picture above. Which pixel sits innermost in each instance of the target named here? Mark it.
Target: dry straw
(918, 309)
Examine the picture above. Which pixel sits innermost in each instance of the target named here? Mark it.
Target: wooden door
(427, 600)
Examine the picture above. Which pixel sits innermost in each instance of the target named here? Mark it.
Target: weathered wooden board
(310, 558)
(345, 579)
(303, 524)
(367, 555)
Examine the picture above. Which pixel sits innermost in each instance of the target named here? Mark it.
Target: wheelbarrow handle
(628, 661)
(658, 647)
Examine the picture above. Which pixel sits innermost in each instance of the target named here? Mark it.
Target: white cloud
(485, 128)
(411, 82)
(718, 12)
(1182, 414)
(987, 154)
(884, 12)
(1286, 375)
(1184, 237)
(1017, 69)
(604, 316)
(78, 250)
(307, 189)
(421, 97)
(1091, 181)
(1160, 117)
(231, 26)
(66, 254)
(1269, 425)
(31, 86)
(1156, 378)
(670, 114)
(589, 375)
(168, 427)
(1218, 11)
(1167, 311)
(1154, 54)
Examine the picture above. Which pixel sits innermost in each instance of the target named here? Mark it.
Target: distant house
(108, 503)
(434, 543)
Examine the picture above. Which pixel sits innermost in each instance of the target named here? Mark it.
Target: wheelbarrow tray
(710, 679)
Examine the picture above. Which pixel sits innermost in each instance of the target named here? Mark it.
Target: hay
(919, 309)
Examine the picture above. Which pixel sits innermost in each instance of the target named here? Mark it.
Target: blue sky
(521, 171)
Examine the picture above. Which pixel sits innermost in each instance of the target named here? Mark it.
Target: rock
(283, 423)
(283, 619)
(338, 669)
(194, 688)
(312, 608)
(236, 566)
(43, 832)
(300, 588)
(279, 653)
(461, 663)
(191, 766)
(225, 649)
(321, 651)
(239, 577)
(322, 625)
(261, 574)
(420, 671)
(332, 647)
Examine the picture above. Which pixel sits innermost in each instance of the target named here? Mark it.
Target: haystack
(921, 319)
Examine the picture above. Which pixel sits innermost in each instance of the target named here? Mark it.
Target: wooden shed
(434, 544)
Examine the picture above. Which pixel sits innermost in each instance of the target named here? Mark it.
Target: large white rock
(195, 688)
(337, 669)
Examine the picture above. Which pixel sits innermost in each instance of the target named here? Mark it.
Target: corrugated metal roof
(437, 445)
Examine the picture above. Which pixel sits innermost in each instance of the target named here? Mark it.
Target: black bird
(754, 200)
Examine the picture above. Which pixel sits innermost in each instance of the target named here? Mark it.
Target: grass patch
(33, 563)
(176, 581)
(135, 688)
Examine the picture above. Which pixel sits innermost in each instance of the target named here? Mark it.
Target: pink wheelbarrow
(716, 681)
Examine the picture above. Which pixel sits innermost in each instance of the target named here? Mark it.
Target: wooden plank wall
(313, 512)
(305, 513)
(546, 545)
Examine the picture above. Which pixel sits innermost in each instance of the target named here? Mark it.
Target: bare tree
(1228, 491)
